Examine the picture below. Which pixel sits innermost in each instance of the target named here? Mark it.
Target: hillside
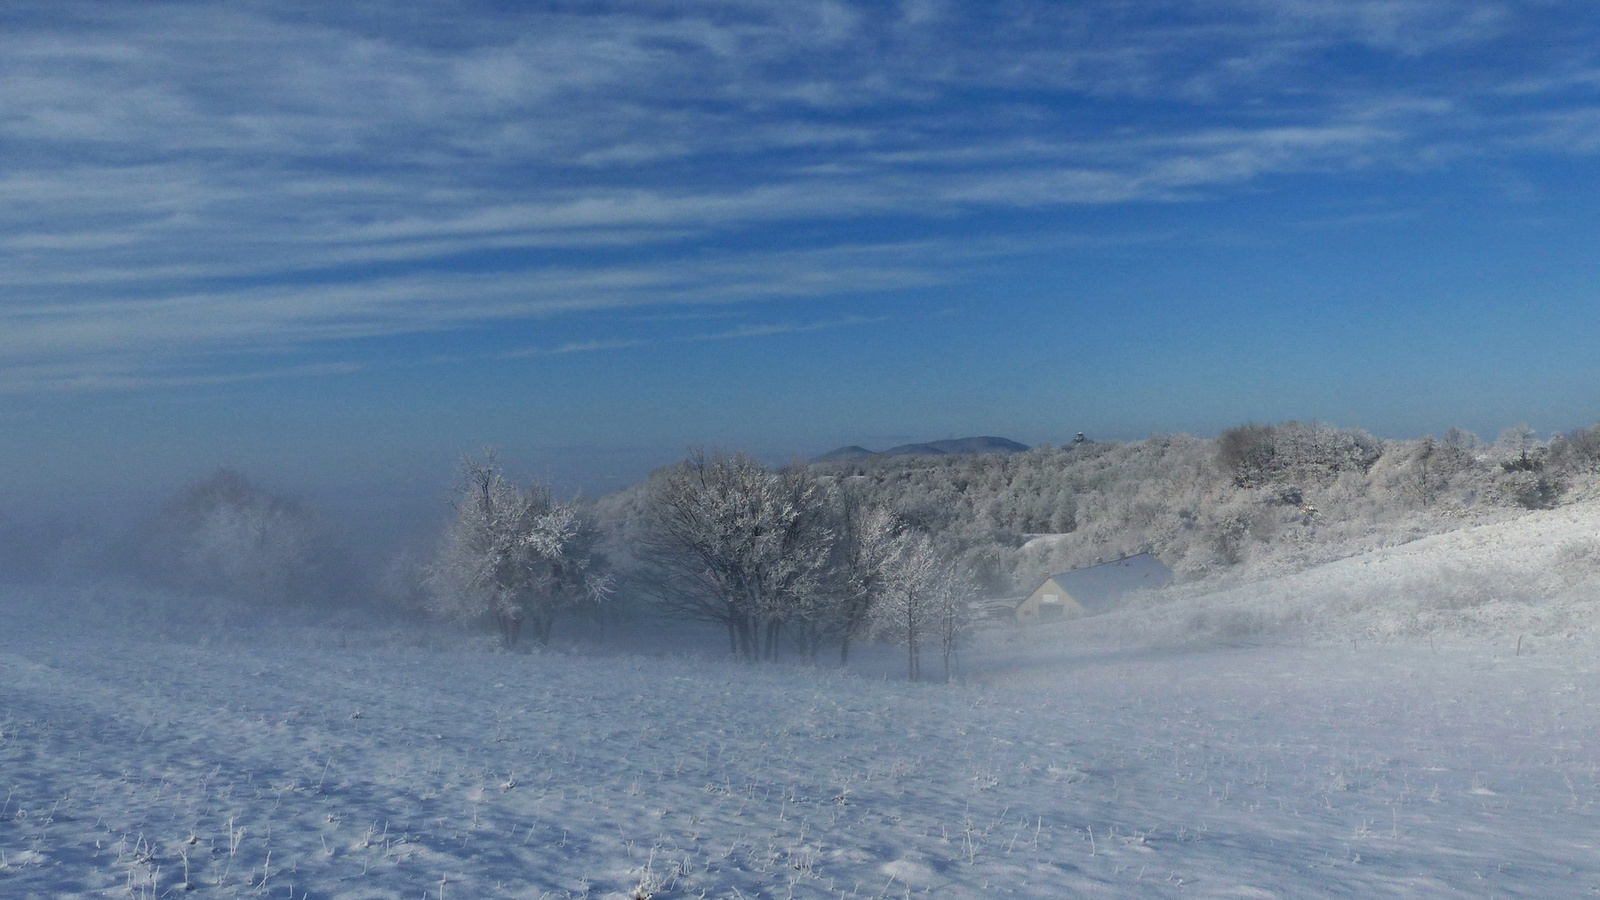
(1533, 579)
(1213, 744)
(1256, 501)
(1536, 575)
(950, 447)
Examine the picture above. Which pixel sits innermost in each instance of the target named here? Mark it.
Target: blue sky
(337, 244)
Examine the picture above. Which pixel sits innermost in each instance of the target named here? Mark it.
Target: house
(1093, 589)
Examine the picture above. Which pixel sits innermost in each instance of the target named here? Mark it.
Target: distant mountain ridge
(949, 447)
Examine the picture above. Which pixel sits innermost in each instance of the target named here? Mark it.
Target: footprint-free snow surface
(278, 763)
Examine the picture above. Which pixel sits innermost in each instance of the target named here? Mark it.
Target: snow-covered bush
(1525, 477)
(224, 536)
(729, 541)
(1294, 452)
(1531, 490)
(1576, 452)
(514, 555)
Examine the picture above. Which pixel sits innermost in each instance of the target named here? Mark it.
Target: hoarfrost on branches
(513, 554)
(926, 601)
(732, 542)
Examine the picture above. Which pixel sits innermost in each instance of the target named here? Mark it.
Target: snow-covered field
(279, 761)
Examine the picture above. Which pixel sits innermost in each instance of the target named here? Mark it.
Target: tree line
(808, 559)
(773, 556)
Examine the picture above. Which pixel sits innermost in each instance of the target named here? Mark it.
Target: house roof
(1097, 587)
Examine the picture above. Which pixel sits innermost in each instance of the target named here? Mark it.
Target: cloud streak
(187, 182)
(743, 332)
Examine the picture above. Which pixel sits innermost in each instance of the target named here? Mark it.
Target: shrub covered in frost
(513, 555)
(1294, 452)
(225, 536)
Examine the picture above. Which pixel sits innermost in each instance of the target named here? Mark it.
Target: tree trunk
(510, 628)
(774, 630)
(912, 667)
(854, 624)
(542, 626)
(749, 640)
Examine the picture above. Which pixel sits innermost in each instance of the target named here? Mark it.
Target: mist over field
(1370, 672)
(799, 448)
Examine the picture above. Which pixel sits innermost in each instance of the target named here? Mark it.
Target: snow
(1537, 575)
(1134, 756)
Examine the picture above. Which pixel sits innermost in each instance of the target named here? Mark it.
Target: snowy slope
(270, 760)
(1536, 575)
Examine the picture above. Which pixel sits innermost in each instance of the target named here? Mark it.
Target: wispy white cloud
(101, 342)
(127, 375)
(771, 329)
(1411, 27)
(578, 347)
(230, 177)
(742, 332)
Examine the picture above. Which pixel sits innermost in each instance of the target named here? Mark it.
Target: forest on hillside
(825, 554)
(1256, 500)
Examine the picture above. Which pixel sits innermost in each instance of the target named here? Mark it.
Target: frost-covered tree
(1459, 447)
(1264, 498)
(861, 552)
(1519, 449)
(728, 540)
(925, 602)
(1577, 451)
(1295, 453)
(1524, 478)
(952, 621)
(513, 554)
(224, 536)
(1424, 473)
